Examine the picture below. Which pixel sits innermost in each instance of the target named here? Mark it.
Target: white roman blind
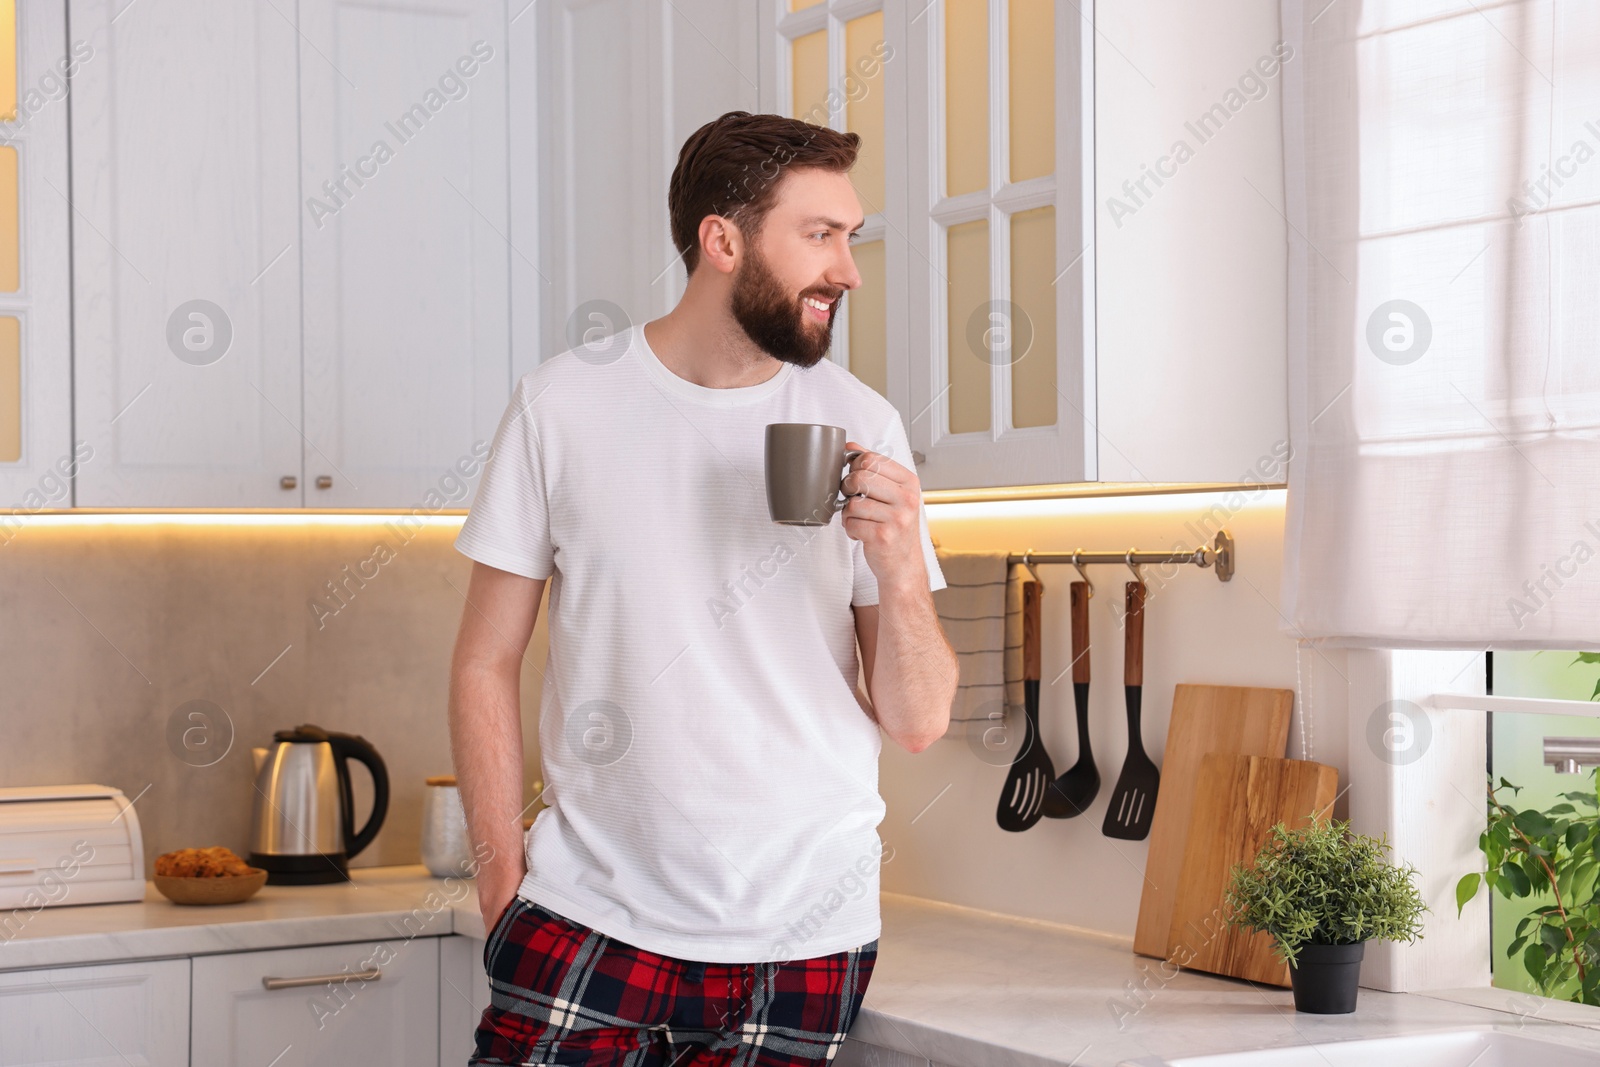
(1443, 197)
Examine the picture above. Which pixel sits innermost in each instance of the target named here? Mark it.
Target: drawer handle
(371, 974)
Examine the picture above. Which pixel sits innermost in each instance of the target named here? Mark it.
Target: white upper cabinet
(292, 251)
(975, 315)
(314, 244)
(37, 457)
(1190, 248)
(186, 262)
(404, 144)
(1028, 334)
(1000, 290)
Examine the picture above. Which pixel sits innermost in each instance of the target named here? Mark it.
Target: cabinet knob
(918, 457)
(324, 481)
(288, 481)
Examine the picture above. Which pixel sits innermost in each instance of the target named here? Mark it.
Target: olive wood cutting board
(1237, 801)
(1232, 719)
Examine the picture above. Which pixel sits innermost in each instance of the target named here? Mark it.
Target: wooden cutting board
(1237, 801)
(1236, 720)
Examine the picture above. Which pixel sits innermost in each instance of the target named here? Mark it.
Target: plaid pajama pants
(562, 993)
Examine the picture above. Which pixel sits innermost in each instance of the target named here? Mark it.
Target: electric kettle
(302, 830)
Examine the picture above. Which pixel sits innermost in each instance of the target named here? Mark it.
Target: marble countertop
(953, 985)
(382, 902)
(961, 986)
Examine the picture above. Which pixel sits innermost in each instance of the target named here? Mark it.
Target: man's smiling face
(787, 290)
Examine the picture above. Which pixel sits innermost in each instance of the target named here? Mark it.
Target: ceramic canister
(446, 851)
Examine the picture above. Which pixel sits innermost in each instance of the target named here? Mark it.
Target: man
(703, 886)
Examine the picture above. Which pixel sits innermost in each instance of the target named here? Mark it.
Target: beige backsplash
(109, 630)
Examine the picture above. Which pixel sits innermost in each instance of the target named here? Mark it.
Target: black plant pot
(1325, 978)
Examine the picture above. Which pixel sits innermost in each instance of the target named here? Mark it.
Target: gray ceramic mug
(806, 464)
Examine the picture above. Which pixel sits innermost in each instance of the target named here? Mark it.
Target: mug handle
(841, 497)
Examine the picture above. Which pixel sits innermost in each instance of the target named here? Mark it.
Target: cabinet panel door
(1192, 312)
(407, 260)
(106, 1015)
(36, 454)
(463, 994)
(340, 1020)
(185, 189)
(1000, 271)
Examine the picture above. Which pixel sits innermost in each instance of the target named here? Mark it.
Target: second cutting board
(1238, 799)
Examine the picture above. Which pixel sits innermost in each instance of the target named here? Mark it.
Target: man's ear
(721, 243)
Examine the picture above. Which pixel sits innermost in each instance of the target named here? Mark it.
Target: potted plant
(1322, 892)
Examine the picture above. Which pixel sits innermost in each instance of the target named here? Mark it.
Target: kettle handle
(359, 749)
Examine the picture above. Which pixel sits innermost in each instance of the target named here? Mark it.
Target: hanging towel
(981, 612)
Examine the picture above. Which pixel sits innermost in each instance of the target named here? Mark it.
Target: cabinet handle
(324, 481)
(372, 974)
(288, 481)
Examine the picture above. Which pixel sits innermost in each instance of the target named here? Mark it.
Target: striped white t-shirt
(710, 770)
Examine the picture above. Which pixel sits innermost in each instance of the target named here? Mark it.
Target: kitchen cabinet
(291, 263)
(975, 315)
(1192, 262)
(403, 136)
(300, 1007)
(1025, 333)
(37, 458)
(100, 1015)
(186, 265)
(463, 994)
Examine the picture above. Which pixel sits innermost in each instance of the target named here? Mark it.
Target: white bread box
(68, 844)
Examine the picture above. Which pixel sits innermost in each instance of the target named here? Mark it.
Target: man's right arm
(486, 725)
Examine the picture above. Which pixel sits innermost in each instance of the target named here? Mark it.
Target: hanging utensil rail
(1218, 555)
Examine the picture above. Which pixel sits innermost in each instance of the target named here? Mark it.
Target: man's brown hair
(731, 167)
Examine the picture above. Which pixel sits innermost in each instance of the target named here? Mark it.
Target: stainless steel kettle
(302, 828)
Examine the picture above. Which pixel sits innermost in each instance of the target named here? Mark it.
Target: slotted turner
(1022, 796)
(1133, 801)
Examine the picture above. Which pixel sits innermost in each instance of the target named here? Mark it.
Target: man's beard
(775, 319)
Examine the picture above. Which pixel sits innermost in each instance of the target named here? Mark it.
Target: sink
(1483, 1047)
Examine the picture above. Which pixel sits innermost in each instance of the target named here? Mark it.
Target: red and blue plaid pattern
(562, 993)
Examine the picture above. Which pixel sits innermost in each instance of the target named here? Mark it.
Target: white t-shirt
(710, 770)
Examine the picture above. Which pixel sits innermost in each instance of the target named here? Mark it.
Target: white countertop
(382, 902)
(954, 985)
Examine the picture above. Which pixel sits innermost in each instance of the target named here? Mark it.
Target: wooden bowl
(229, 889)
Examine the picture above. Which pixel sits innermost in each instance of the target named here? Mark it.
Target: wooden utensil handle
(1080, 631)
(1031, 592)
(1133, 626)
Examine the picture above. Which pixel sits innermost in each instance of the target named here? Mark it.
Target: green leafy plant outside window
(1530, 853)
(1590, 657)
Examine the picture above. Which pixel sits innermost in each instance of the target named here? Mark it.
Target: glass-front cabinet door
(975, 312)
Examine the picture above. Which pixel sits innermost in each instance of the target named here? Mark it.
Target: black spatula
(1073, 792)
(1031, 772)
(1133, 801)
